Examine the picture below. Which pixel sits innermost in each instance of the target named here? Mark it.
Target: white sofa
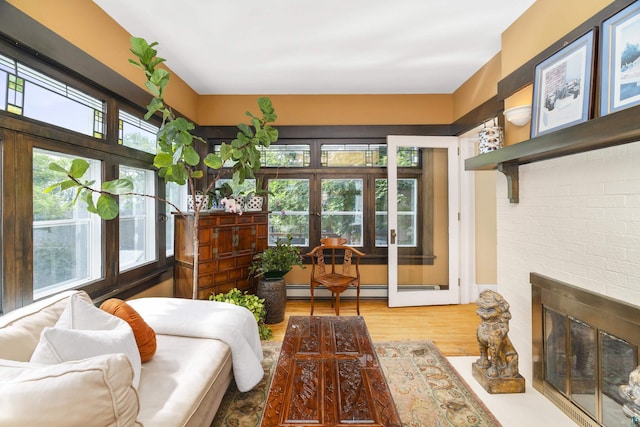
(182, 385)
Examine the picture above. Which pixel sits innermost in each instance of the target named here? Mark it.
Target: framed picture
(620, 85)
(562, 87)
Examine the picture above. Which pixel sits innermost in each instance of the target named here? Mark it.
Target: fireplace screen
(575, 352)
(585, 346)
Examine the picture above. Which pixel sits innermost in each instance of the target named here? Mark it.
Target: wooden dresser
(228, 243)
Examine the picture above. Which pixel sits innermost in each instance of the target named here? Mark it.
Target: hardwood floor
(451, 327)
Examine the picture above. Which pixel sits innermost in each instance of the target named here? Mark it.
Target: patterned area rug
(427, 391)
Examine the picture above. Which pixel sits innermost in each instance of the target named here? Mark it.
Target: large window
(67, 244)
(137, 220)
(343, 195)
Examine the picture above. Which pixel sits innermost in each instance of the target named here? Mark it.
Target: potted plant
(177, 159)
(276, 261)
(254, 200)
(253, 303)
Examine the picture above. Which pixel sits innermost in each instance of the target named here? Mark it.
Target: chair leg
(358, 299)
(311, 301)
(337, 303)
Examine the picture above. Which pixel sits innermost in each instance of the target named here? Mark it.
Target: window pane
(353, 155)
(67, 245)
(176, 194)
(292, 156)
(136, 133)
(407, 212)
(137, 220)
(3, 90)
(289, 210)
(342, 209)
(382, 224)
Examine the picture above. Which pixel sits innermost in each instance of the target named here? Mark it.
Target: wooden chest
(228, 243)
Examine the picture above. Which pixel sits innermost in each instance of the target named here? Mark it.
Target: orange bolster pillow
(144, 335)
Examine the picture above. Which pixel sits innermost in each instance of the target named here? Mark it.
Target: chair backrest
(329, 253)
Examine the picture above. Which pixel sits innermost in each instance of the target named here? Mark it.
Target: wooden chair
(335, 280)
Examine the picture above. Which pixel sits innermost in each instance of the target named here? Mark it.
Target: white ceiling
(320, 46)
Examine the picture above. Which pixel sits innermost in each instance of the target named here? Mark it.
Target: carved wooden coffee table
(328, 374)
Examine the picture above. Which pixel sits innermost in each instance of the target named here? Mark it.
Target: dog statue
(497, 355)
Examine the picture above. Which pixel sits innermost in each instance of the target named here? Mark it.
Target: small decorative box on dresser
(228, 243)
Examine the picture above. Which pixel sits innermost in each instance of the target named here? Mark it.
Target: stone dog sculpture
(498, 357)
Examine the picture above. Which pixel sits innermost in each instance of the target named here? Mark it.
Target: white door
(423, 220)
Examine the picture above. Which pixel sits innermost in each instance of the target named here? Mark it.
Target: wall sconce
(519, 116)
(491, 138)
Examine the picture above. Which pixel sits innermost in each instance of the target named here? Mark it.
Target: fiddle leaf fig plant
(177, 160)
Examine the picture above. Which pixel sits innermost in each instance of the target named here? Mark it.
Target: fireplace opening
(584, 347)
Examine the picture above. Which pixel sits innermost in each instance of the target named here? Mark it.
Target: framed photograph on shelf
(620, 63)
(562, 87)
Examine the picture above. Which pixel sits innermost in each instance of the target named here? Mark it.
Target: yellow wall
(480, 87)
(544, 23)
(332, 109)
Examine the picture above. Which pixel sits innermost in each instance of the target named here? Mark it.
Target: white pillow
(90, 392)
(83, 331)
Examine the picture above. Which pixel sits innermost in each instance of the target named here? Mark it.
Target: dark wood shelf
(618, 128)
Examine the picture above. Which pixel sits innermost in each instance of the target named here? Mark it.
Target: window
(341, 214)
(136, 133)
(289, 210)
(67, 240)
(343, 192)
(30, 93)
(137, 220)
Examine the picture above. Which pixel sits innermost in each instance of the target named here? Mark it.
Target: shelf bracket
(510, 170)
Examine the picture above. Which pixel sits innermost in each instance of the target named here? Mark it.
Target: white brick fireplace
(578, 221)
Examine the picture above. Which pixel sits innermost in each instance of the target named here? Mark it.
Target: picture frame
(563, 87)
(620, 61)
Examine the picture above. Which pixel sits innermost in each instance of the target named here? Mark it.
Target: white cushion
(95, 392)
(83, 331)
(20, 329)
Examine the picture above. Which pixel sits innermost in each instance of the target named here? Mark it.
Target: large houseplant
(177, 160)
(276, 261)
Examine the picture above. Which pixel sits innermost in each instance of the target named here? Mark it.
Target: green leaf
(245, 129)
(65, 185)
(107, 207)
(162, 160)
(153, 88)
(177, 155)
(273, 134)
(213, 161)
(265, 105)
(78, 168)
(118, 186)
(191, 157)
(56, 167)
(87, 196)
(225, 152)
